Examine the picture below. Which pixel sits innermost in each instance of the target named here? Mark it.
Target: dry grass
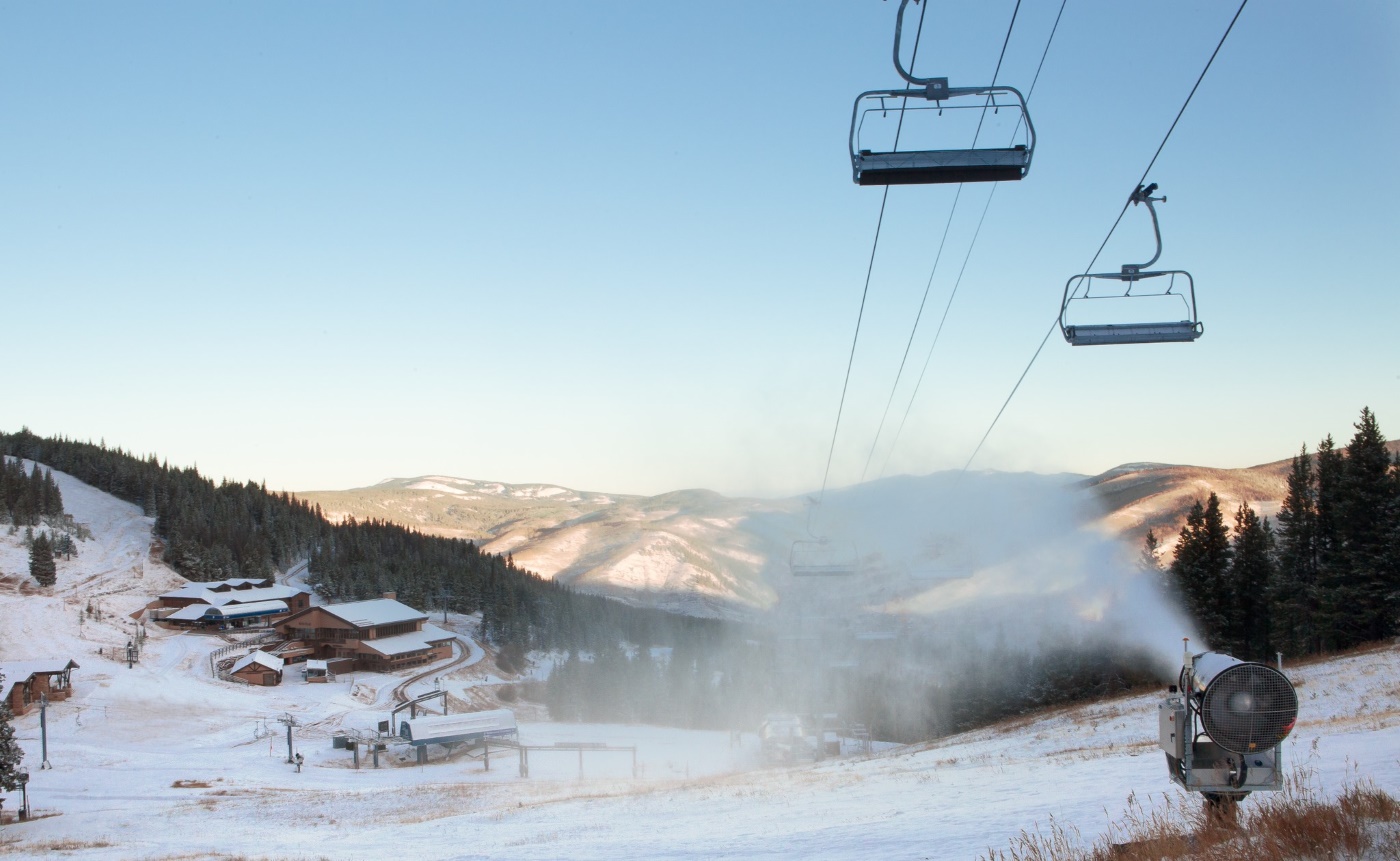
(66, 844)
(189, 784)
(1361, 823)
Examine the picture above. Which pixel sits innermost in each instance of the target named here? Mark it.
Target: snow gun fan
(1222, 727)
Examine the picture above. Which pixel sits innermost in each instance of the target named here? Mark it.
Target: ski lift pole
(44, 732)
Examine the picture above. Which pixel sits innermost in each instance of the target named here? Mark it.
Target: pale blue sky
(616, 245)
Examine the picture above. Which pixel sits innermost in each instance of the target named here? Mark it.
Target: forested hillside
(1325, 577)
(212, 531)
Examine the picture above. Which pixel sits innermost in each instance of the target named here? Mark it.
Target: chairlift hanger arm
(1143, 194)
(898, 64)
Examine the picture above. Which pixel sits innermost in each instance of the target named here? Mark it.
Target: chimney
(391, 595)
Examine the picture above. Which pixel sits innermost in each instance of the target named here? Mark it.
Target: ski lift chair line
(819, 557)
(1131, 274)
(928, 166)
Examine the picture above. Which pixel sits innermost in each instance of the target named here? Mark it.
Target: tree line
(28, 497)
(214, 531)
(1326, 577)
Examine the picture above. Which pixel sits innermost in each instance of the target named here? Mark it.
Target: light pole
(23, 778)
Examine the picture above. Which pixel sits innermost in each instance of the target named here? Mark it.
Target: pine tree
(1364, 505)
(41, 564)
(1294, 594)
(1250, 579)
(1333, 603)
(53, 498)
(11, 755)
(1150, 561)
(1199, 566)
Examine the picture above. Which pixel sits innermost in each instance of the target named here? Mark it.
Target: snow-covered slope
(114, 573)
(161, 761)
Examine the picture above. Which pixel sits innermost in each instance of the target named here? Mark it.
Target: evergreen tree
(1294, 594)
(1150, 561)
(41, 564)
(64, 546)
(53, 499)
(1199, 566)
(11, 755)
(1250, 579)
(1333, 610)
(1364, 505)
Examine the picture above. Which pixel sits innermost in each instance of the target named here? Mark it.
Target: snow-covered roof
(202, 593)
(249, 596)
(257, 608)
(195, 612)
(400, 645)
(259, 657)
(377, 611)
(21, 670)
(313, 664)
(18, 672)
(433, 634)
(434, 728)
(236, 582)
(197, 590)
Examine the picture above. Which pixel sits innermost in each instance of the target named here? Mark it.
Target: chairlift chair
(888, 165)
(821, 557)
(938, 573)
(1117, 289)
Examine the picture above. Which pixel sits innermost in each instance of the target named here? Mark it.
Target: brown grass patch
(189, 784)
(65, 844)
(1362, 822)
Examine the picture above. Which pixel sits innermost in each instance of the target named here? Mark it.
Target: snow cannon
(1222, 727)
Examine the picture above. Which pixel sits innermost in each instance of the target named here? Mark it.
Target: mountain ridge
(697, 551)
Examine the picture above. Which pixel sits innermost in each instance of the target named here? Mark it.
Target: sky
(616, 245)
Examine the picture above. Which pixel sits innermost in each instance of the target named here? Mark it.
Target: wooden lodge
(26, 681)
(380, 635)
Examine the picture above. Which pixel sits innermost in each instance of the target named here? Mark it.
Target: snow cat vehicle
(784, 739)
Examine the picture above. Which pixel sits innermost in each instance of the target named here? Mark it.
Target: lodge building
(380, 635)
(235, 603)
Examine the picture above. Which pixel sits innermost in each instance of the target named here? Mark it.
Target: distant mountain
(702, 553)
(461, 507)
(1141, 496)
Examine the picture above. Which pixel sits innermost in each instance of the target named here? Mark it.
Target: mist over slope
(702, 553)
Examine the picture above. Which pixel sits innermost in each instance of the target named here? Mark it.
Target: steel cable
(1055, 324)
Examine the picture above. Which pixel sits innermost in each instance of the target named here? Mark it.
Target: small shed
(316, 671)
(258, 668)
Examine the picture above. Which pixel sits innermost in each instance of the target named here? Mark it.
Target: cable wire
(939, 256)
(1104, 244)
(953, 294)
(865, 291)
